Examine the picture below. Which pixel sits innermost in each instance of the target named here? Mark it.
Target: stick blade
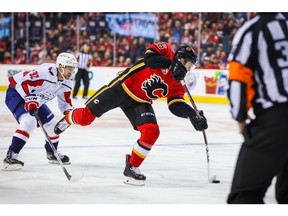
(75, 178)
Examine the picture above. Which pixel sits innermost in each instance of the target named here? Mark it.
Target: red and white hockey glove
(31, 103)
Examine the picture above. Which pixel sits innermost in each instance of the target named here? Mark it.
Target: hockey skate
(11, 163)
(132, 174)
(61, 126)
(53, 160)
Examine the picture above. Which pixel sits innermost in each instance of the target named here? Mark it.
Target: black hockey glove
(199, 123)
(178, 69)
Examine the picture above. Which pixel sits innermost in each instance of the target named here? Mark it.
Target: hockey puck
(216, 181)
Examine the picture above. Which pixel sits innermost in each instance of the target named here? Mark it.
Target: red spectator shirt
(145, 84)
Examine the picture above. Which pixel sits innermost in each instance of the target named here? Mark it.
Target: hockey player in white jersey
(29, 92)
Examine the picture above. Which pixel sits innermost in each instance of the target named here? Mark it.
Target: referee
(84, 59)
(258, 82)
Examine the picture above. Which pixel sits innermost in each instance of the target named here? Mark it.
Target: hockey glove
(178, 69)
(199, 123)
(31, 103)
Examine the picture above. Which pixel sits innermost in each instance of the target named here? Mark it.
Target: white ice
(176, 167)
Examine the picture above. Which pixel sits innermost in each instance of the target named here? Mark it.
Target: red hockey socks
(149, 134)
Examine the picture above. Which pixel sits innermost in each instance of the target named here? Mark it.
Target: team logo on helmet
(155, 87)
(161, 45)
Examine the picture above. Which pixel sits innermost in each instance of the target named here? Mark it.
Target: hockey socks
(19, 140)
(139, 153)
(132, 174)
(55, 143)
(149, 135)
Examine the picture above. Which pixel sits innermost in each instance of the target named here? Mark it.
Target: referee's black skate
(132, 175)
(61, 126)
(11, 163)
(53, 160)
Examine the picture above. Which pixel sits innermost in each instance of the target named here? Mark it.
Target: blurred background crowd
(116, 39)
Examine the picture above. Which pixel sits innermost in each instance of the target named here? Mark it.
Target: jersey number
(282, 46)
(32, 74)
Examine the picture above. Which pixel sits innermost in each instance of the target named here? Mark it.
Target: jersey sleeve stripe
(175, 100)
(28, 83)
(12, 81)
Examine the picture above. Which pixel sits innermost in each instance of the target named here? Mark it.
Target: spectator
(7, 58)
(35, 60)
(61, 32)
(20, 57)
(223, 60)
(96, 61)
(177, 32)
(107, 60)
(206, 62)
(208, 51)
(121, 61)
(128, 62)
(133, 50)
(215, 61)
(3, 48)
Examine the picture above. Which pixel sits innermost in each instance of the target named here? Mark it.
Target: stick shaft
(203, 131)
(52, 146)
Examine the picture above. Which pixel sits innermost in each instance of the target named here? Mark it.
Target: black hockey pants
(263, 156)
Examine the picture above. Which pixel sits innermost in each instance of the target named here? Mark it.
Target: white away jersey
(43, 82)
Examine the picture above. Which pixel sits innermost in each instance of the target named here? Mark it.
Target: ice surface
(176, 168)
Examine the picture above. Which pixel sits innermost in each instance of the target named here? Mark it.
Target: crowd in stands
(62, 35)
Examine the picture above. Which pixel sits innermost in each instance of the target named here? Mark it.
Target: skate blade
(56, 162)
(11, 167)
(132, 181)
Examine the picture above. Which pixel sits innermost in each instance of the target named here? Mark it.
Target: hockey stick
(203, 131)
(52, 147)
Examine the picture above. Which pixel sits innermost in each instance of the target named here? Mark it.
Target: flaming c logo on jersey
(155, 87)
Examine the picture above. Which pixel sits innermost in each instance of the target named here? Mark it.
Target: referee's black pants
(263, 155)
(82, 74)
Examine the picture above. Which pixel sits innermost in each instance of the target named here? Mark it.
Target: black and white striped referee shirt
(84, 59)
(258, 65)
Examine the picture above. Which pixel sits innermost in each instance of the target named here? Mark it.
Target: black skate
(11, 163)
(53, 160)
(132, 174)
(61, 126)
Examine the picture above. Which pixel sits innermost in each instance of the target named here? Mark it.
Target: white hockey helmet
(66, 59)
